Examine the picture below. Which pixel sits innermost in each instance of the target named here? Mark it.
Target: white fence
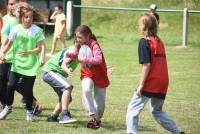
(185, 11)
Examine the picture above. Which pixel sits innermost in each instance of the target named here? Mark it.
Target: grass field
(119, 38)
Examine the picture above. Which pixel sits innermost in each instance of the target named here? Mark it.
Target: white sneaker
(29, 115)
(7, 110)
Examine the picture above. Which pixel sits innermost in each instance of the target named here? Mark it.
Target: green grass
(118, 36)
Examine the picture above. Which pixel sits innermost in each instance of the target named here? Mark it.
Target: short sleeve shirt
(8, 23)
(144, 52)
(24, 40)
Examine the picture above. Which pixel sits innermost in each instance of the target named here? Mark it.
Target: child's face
(11, 7)
(57, 10)
(81, 39)
(27, 19)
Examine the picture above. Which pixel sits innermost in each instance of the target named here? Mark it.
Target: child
(153, 81)
(27, 40)
(94, 79)
(60, 25)
(56, 70)
(10, 20)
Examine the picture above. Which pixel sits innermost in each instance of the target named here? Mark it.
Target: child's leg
(63, 89)
(161, 117)
(99, 101)
(27, 90)
(62, 40)
(66, 99)
(13, 78)
(134, 108)
(53, 45)
(4, 73)
(87, 88)
(57, 109)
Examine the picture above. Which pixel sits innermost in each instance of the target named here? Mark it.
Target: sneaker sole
(68, 121)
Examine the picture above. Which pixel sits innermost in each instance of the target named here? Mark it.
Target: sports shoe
(29, 115)
(7, 110)
(52, 118)
(65, 117)
(93, 124)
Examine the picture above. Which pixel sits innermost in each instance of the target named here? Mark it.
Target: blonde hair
(149, 24)
(23, 8)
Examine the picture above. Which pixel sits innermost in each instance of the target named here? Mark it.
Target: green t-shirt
(23, 40)
(54, 63)
(8, 23)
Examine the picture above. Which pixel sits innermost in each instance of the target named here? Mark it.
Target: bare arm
(4, 48)
(53, 16)
(143, 77)
(65, 66)
(42, 47)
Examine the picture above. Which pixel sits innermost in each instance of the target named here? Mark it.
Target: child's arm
(65, 66)
(42, 46)
(35, 50)
(143, 77)
(4, 48)
(53, 16)
(96, 59)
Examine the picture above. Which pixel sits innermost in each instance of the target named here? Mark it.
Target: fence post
(185, 27)
(70, 18)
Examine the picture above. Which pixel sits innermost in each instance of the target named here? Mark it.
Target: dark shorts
(57, 81)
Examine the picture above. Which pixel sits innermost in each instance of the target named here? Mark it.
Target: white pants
(94, 105)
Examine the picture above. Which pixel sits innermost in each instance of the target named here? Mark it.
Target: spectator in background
(153, 8)
(1, 25)
(60, 25)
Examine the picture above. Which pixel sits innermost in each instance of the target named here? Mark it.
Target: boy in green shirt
(56, 70)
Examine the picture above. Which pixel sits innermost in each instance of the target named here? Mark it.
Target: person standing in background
(59, 31)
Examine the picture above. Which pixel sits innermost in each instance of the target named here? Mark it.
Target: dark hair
(60, 7)
(8, 1)
(85, 31)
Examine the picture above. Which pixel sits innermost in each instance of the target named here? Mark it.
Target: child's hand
(70, 72)
(2, 61)
(139, 90)
(23, 53)
(80, 58)
(58, 36)
(42, 61)
(2, 56)
(109, 70)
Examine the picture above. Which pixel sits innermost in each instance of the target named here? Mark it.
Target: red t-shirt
(157, 79)
(97, 72)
